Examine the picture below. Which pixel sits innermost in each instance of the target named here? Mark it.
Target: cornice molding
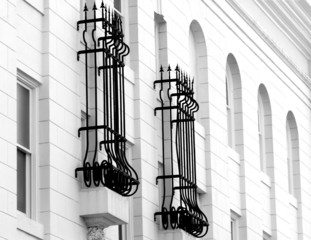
(27, 79)
(270, 42)
(287, 21)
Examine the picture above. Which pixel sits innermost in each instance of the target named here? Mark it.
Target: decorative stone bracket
(96, 233)
(100, 208)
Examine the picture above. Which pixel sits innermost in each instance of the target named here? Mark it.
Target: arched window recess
(180, 207)
(105, 46)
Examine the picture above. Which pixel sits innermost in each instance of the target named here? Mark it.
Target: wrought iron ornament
(109, 49)
(182, 212)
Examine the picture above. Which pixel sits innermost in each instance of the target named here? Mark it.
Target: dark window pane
(21, 181)
(120, 232)
(23, 116)
(117, 5)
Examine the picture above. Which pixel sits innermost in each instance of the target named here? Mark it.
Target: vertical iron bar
(163, 139)
(95, 81)
(87, 177)
(171, 132)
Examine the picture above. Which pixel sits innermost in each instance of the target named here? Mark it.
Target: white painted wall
(41, 40)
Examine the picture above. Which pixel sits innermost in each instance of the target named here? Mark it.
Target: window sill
(129, 74)
(265, 179)
(29, 226)
(199, 129)
(292, 201)
(103, 207)
(232, 154)
(37, 5)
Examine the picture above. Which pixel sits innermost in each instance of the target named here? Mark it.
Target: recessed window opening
(198, 67)
(265, 135)
(24, 152)
(292, 154)
(233, 104)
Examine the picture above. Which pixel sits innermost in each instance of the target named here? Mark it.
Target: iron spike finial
(169, 68)
(94, 7)
(161, 72)
(85, 8)
(169, 71)
(177, 73)
(161, 69)
(102, 5)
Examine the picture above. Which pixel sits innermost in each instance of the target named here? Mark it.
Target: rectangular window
(23, 149)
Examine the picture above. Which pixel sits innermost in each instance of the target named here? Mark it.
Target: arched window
(265, 130)
(198, 67)
(292, 153)
(233, 102)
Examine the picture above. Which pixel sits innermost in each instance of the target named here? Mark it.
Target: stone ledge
(102, 207)
(176, 234)
(29, 226)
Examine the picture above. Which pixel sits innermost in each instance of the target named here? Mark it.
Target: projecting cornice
(293, 19)
(305, 21)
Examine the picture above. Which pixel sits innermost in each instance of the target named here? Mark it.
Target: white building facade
(250, 61)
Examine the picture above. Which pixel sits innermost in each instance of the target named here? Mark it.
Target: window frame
(234, 226)
(31, 85)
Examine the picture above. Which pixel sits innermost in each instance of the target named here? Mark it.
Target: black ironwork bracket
(106, 43)
(186, 215)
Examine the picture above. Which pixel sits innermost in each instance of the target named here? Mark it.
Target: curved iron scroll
(109, 49)
(183, 213)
